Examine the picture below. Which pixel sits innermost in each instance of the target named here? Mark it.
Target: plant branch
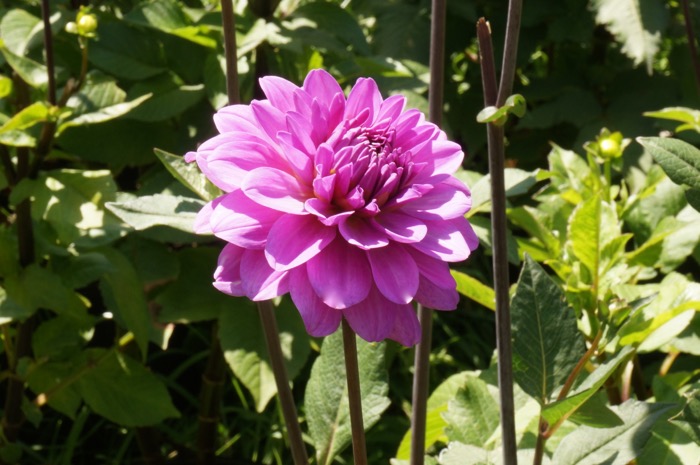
(230, 52)
(500, 248)
(289, 411)
(579, 366)
(691, 41)
(421, 372)
(352, 374)
(510, 51)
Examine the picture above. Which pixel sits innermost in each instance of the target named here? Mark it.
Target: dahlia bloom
(348, 204)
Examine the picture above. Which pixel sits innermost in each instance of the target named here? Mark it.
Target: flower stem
(230, 51)
(420, 386)
(352, 374)
(289, 411)
(421, 372)
(48, 46)
(210, 400)
(498, 228)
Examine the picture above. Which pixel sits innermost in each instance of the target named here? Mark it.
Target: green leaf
(689, 418)
(548, 343)
(81, 270)
(595, 412)
(72, 202)
(35, 113)
(611, 446)
(5, 86)
(693, 198)
(555, 411)
(514, 104)
(473, 415)
(326, 397)
(30, 71)
(169, 16)
(170, 98)
(636, 24)
(585, 234)
(19, 29)
(188, 174)
(124, 391)
(679, 159)
(688, 116)
(103, 114)
(474, 289)
(243, 343)
(669, 445)
(191, 297)
(152, 210)
(123, 293)
(42, 377)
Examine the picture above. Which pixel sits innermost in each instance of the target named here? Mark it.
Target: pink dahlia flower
(348, 204)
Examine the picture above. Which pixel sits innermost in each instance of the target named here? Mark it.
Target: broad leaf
(188, 174)
(35, 113)
(123, 293)
(124, 391)
(103, 114)
(475, 290)
(30, 71)
(245, 350)
(20, 29)
(153, 210)
(473, 415)
(680, 160)
(611, 446)
(689, 418)
(688, 116)
(547, 343)
(326, 397)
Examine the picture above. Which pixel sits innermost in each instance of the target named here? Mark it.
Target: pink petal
(227, 276)
(201, 222)
(322, 86)
(358, 232)
(391, 107)
(374, 318)
(364, 94)
(229, 163)
(294, 240)
(401, 227)
(433, 269)
(406, 327)
(326, 213)
(320, 320)
(236, 118)
(279, 92)
(445, 156)
(239, 220)
(260, 281)
(277, 190)
(269, 118)
(340, 274)
(449, 240)
(449, 199)
(436, 297)
(395, 273)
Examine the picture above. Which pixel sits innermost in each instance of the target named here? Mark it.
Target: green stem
(541, 440)
(352, 374)
(48, 47)
(289, 411)
(230, 52)
(500, 249)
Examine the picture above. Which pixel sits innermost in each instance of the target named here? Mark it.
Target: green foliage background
(107, 308)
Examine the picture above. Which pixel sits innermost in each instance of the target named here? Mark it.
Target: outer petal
(294, 240)
(227, 276)
(277, 190)
(320, 320)
(449, 240)
(364, 94)
(358, 232)
(449, 199)
(433, 269)
(279, 92)
(395, 273)
(374, 318)
(406, 327)
(436, 297)
(340, 275)
(239, 220)
(202, 221)
(260, 281)
(401, 227)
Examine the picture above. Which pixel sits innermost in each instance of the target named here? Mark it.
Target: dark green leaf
(188, 174)
(159, 209)
(243, 343)
(689, 418)
(547, 343)
(326, 398)
(124, 391)
(679, 159)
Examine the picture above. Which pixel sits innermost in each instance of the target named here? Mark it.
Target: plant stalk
(289, 411)
(421, 372)
(230, 52)
(500, 249)
(352, 374)
(48, 47)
